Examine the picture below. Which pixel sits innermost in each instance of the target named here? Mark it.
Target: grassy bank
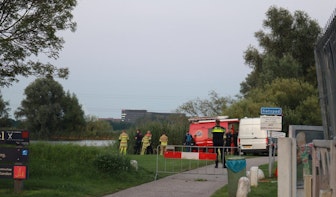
(80, 171)
(77, 171)
(70, 170)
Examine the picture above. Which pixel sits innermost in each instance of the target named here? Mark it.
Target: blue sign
(270, 111)
(25, 152)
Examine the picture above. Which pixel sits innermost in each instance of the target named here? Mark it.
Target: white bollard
(243, 187)
(248, 174)
(261, 174)
(254, 176)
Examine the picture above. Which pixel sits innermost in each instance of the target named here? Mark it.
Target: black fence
(325, 57)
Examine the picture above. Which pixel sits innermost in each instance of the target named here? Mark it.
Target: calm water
(82, 142)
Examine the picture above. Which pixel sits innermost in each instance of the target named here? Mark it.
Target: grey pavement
(201, 182)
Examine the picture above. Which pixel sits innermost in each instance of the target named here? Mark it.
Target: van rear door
(251, 138)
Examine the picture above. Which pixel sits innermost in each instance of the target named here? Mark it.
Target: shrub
(112, 163)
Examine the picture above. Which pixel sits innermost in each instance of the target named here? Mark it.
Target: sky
(157, 55)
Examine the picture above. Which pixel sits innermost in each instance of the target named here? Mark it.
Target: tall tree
(47, 110)
(73, 119)
(42, 107)
(287, 49)
(27, 29)
(206, 107)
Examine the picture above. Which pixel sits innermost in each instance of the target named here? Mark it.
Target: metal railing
(190, 164)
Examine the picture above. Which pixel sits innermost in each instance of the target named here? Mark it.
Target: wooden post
(18, 186)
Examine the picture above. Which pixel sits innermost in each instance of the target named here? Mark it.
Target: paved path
(188, 184)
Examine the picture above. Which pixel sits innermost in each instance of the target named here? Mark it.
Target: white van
(251, 139)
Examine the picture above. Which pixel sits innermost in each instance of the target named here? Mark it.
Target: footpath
(187, 184)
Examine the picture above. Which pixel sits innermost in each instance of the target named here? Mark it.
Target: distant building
(132, 115)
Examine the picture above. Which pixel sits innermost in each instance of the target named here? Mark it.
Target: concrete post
(254, 176)
(285, 167)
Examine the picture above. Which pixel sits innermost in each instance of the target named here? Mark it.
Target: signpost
(271, 123)
(13, 160)
(271, 120)
(270, 111)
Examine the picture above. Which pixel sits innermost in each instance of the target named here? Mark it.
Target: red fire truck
(200, 128)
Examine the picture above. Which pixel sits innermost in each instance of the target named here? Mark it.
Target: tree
(245, 107)
(47, 110)
(94, 125)
(4, 115)
(28, 29)
(212, 107)
(298, 100)
(287, 49)
(175, 126)
(73, 119)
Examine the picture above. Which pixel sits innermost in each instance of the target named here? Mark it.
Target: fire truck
(200, 128)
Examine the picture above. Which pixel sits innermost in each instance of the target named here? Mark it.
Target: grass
(70, 170)
(267, 187)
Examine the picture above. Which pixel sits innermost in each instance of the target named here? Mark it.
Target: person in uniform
(163, 143)
(123, 140)
(188, 141)
(234, 142)
(146, 140)
(218, 141)
(138, 139)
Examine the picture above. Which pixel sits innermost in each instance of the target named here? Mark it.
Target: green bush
(112, 163)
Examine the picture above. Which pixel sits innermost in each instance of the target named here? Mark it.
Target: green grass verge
(267, 187)
(70, 170)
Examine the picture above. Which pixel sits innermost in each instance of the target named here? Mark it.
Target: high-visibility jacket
(164, 139)
(146, 139)
(218, 135)
(123, 137)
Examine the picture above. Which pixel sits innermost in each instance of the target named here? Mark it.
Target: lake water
(81, 142)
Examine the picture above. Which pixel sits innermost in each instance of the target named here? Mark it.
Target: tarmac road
(188, 184)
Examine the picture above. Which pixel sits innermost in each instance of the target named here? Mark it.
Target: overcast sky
(156, 55)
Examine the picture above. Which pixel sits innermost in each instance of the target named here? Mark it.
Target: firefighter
(123, 138)
(146, 140)
(163, 143)
(218, 140)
